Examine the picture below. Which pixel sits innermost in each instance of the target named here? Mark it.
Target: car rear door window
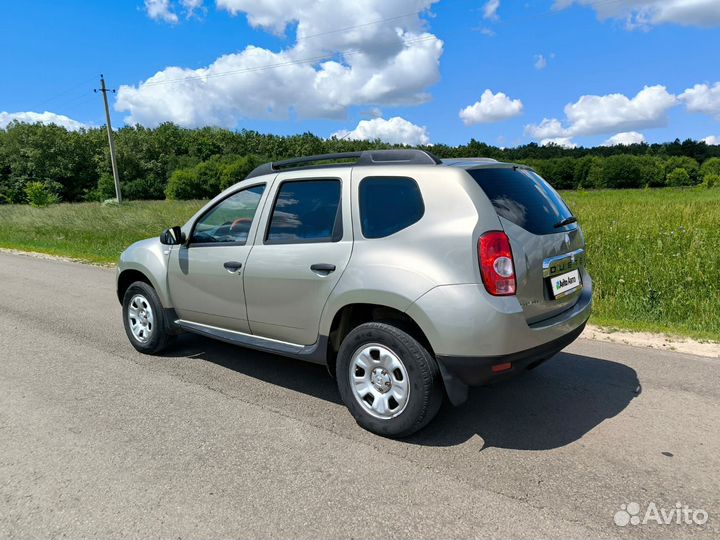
(388, 205)
(523, 197)
(306, 211)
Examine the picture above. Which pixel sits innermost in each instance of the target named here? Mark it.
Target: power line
(594, 3)
(309, 60)
(64, 92)
(329, 56)
(83, 97)
(414, 13)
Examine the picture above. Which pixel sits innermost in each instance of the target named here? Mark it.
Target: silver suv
(411, 278)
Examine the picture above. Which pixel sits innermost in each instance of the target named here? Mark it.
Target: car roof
(481, 163)
(410, 156)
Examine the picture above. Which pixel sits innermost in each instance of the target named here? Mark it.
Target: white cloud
(161, 10)
(42, 118)
(490, 10)
(540, 61)
(320, 76)
(594, 115)
(565, 142)
(192, 6)
(491, 108)
(548, 128)
(703, 98)
(646, 13)
(712, 140)
(626, 138)
(395, 130)
(165, 10)
(488, 32)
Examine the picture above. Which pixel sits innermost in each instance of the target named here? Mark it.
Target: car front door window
(230, 220)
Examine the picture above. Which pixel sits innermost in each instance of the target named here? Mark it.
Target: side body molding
(315, 353)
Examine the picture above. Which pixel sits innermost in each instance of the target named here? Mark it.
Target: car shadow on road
(549, 407)
(304, 377)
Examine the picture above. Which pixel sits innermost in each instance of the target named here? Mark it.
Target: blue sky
(415, 62)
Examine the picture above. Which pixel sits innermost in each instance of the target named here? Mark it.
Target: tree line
(174, 162)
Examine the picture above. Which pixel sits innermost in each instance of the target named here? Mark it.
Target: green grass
(89, 231)
(654, 255)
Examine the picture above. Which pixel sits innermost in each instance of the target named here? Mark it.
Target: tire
(150, 334)
(379, 346)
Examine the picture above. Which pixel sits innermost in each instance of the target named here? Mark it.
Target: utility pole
(111, 141)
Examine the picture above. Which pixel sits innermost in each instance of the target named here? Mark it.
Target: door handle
(232, 266)
(323, 268)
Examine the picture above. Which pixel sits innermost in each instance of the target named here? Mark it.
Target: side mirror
(172, 237)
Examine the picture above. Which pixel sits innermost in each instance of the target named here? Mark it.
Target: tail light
(496, 263)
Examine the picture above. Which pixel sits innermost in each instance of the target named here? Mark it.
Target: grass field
(654, 254)
(89, 231)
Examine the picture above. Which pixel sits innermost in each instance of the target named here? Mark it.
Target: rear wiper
(566, 221)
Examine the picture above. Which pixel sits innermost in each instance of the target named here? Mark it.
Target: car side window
(306, 211)
(389, 204)
(230, 220)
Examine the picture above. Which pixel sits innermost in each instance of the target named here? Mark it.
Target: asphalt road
(97, 440)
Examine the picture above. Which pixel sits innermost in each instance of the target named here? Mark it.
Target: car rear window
(389, 204)
(523, 197)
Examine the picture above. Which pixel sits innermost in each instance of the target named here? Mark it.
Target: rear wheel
(144, 318)
(388, 380)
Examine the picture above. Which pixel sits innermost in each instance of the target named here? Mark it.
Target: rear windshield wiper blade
(566, 221)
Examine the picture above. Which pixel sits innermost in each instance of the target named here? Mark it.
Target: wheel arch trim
(128, 271)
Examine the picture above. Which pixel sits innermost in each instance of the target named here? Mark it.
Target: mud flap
(457, 391)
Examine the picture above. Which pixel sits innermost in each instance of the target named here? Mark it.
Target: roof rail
(468, 159)
(366, 157)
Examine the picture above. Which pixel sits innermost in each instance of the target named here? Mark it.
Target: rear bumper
(470, 333)
(478, 370)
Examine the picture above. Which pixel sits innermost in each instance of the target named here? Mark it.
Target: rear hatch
(547, 246)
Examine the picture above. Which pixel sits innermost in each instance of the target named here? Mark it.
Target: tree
(711, 166)
(148, 158)
(184, 184)
(559, 172)
(105, 189)
(684, 162)
(41, 194)
(595, 175)
(582, 169)
(652, 171)
(711, 181)
(237, 170)
(35, 152)
(679, 177)
(623, 171)
(202, 181)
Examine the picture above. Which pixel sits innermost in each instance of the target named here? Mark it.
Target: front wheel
(144, 319)
(388, 380)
